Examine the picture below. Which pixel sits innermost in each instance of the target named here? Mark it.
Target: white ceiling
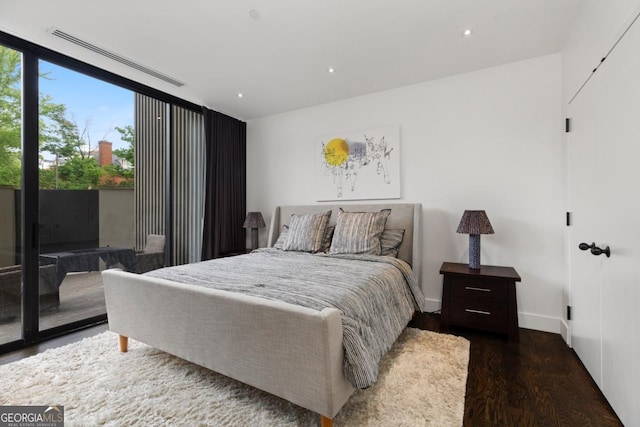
(279, 61)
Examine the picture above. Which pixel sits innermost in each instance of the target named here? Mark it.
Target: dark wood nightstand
(481, 299)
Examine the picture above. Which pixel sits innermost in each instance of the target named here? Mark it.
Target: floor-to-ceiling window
(10, 184)
(86, 165)
(86, 186)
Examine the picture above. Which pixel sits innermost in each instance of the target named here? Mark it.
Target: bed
(301, 353)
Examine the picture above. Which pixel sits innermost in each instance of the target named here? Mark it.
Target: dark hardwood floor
(537, 382)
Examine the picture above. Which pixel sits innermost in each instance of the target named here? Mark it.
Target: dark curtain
(225, 196)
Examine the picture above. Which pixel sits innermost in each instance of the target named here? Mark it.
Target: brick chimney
(105, 157)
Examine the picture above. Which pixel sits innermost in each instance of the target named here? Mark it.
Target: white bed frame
(290, 351)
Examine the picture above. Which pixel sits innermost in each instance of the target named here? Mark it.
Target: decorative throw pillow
(359, 232)
(306, 232)
(327, 237)
(390, 241)
(282, 237)
(155, 244)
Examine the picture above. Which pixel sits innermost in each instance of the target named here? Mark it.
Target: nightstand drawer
(479, 289)
(474, 314)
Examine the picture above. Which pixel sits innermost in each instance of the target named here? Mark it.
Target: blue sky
(101, 105)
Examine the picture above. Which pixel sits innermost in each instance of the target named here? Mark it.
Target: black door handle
(595, 250)
(584, 246)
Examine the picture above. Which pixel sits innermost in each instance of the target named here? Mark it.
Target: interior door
(586, 269)
(604, 173)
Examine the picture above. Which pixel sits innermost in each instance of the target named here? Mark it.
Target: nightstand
(481, 299)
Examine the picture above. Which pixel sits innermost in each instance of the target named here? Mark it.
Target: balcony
(81, 296)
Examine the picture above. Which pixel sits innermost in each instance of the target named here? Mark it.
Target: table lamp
(474, 223)
(254, 221)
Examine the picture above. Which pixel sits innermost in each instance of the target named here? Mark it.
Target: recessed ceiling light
(254, 14)
(331, 70)
(240, 95)
(467, 32)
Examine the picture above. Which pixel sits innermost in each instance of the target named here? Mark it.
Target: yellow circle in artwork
(336, 152)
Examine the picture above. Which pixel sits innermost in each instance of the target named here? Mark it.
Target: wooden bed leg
(124, 343)
(325, 422)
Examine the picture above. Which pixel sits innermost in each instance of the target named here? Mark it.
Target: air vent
(129, 63)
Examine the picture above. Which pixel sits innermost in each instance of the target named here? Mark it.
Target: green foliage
(127, 135)
(10, 170)
(115, 175)
(78, 174)
(47, 179)
(10, 117)
(58, 135)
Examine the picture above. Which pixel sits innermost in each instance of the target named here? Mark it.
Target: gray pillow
(390, 241)
(306, 232)
(155, 244)
(282, 237)
(359, 232)
(326, 239)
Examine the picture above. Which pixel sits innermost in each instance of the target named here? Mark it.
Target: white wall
(489, 140)
(595, 30)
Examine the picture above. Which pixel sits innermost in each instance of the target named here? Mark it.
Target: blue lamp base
(474, 251)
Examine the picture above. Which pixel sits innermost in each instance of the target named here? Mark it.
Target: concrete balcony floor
(81, 296)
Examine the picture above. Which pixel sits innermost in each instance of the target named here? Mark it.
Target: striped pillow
(327, 237)
(306, 232)
(282, 237)
(390, 241)
(359, 232)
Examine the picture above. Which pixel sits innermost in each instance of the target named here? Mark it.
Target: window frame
(32, 53)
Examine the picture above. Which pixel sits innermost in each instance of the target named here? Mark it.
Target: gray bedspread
(376, 295)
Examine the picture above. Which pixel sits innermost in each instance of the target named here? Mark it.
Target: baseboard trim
(539, 322)
(565, 331)
(431, 305)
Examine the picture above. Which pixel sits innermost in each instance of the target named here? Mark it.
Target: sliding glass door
(96, 171)
(86, 186)
(10, 184)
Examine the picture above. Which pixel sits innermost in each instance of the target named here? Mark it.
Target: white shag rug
(422, 382)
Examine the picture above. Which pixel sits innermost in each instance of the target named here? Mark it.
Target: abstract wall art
(358, 165)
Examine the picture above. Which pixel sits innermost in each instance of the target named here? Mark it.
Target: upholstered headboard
(406, 216)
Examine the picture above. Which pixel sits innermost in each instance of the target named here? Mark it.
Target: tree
(10, 117)
(59, 134)
(54, 126)
(127, 135)
(72, 150)
(78, 173)
(116, 174)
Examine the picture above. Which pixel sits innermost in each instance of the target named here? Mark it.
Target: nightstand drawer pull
(471, 288)
(486, 313)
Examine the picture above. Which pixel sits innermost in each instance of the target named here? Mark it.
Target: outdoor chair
(152, 257)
